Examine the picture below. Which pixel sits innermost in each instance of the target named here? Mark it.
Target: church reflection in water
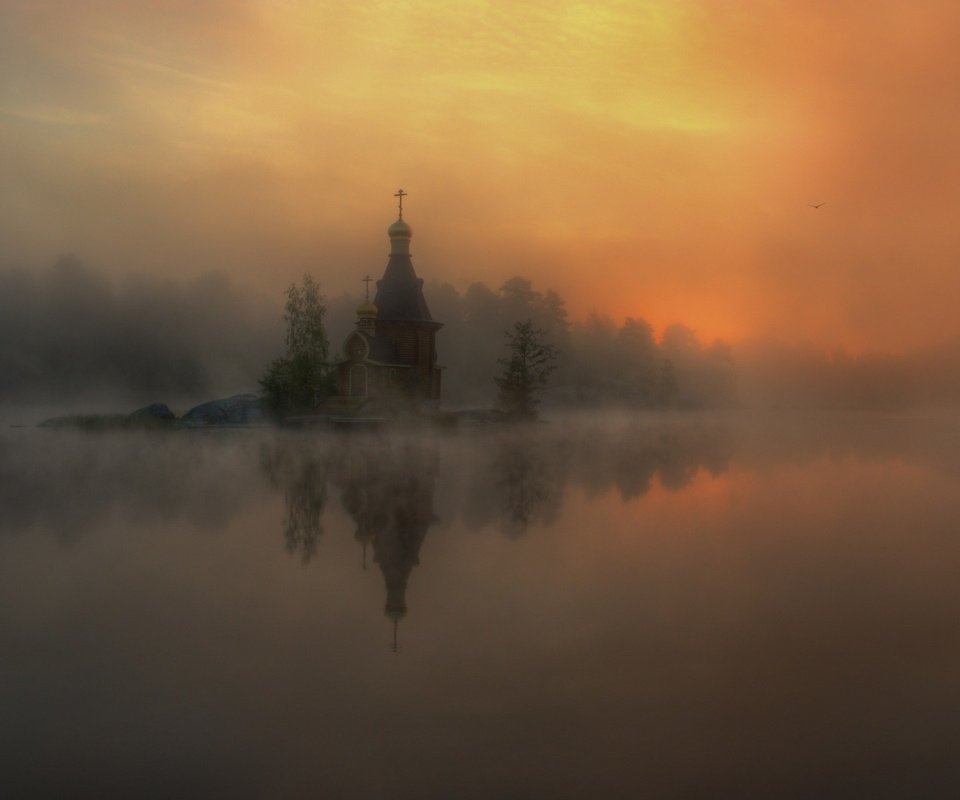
(511, 483)
(389, 495)
(386, 487)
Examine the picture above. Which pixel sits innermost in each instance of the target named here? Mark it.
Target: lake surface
(646, 607)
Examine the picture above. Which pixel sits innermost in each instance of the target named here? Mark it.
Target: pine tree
(526, 371)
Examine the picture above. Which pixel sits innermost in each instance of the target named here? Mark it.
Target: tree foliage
(526, 371)
(301, 379)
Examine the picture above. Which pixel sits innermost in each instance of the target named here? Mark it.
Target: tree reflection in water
(301, 470)
(528, 476)
(523, 479)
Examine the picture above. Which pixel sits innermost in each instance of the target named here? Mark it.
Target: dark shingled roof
(400, 292)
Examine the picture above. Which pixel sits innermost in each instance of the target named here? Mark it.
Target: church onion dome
(367, 310)
(400, 230)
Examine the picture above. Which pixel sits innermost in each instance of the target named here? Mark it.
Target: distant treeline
(781, 376)
(69, 334)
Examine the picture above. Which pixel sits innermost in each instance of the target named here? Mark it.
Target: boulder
(241, 409)
(153, 413)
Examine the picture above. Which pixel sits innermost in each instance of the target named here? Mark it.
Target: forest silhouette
(71, 335)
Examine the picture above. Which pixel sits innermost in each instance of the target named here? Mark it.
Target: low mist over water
(654, 605)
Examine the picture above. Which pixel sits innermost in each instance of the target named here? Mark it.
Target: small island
(387, 370)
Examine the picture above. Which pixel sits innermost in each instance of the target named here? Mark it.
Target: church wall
(404, 338)
(415, 375)
(381, 381)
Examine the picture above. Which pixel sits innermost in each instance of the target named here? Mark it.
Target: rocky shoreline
(244, 410)
(240, 409)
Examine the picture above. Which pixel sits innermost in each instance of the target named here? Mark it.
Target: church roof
(400, 292)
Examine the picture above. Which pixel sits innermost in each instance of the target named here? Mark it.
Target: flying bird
(817, 205)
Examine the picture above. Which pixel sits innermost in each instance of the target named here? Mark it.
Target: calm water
(666, 607)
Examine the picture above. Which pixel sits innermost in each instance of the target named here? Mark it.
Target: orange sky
(651, 158)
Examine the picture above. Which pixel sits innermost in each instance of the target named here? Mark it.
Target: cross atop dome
(400, 232)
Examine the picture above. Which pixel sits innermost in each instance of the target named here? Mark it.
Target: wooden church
(391, 356)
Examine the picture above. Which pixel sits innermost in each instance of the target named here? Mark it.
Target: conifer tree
(526, 371)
